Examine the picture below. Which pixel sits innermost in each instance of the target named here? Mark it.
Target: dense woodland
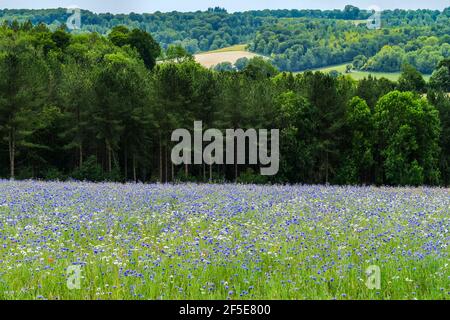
(94, 107)
(297, 40)
(302, 44)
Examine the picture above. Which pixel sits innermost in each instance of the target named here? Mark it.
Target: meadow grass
(358, 75)
(189, 241)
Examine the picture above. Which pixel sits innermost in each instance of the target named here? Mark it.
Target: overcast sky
(139, 6)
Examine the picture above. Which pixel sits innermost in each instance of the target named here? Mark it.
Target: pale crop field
(229, 54)
(212, 241)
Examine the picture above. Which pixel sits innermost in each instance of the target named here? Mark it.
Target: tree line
(302, 44)
(297, 40)
(90, 107)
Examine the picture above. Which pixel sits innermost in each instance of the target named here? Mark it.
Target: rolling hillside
(358, 75)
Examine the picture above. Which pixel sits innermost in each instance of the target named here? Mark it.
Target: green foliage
(241, 63)
(142, 41)
(90, 170)
(296, 39)
(23, 79)
(334, 73)
(181, 176)
(411, 80)
(359, 62)
(417, 38)
(250, 177)
(61, 39)
(119, 35)
(53, 174)
(358, 161)
(408, 130)
(177, 53)
(440, 79)
(295, 120)
(348, 68)
(147, 47)
(388, 59)
(371, 89)
(91, 107)
(224, 67)
(260, 68)
(442, 103)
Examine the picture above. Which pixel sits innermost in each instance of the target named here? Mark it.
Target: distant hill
(296, 40)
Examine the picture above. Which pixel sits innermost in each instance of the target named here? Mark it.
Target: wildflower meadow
(222, 241)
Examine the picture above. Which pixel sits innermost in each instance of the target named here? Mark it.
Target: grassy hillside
(358, 75)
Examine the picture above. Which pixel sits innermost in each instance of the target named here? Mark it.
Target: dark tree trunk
(134, 168)
(108, 147)
(12, 153)
(160, 160)
(80, 151)
(125, 162)
(80, 154)
(167, 166)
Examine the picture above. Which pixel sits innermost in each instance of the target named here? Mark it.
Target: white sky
(140, 6)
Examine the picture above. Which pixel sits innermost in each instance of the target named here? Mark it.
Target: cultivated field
(191, 241)
(229, 54)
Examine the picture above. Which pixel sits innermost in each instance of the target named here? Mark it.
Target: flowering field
(192, 241)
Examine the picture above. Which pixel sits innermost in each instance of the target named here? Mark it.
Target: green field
(358, 75)
(222, 241)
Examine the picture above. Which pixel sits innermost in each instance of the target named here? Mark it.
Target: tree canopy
(296, 40)
(88, 106)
